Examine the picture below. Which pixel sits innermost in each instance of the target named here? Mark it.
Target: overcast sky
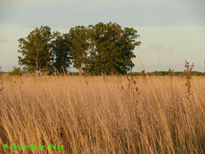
(171, 30)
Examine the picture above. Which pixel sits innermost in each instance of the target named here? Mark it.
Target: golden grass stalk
(103, 114)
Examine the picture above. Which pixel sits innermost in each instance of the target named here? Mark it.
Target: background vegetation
(96, 49)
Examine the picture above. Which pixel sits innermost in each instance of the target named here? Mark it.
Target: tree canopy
(95, 49)
(35, 50)
(61, 55)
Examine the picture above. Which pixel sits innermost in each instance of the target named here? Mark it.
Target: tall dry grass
(103, 114)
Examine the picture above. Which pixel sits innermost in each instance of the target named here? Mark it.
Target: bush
(16, 71)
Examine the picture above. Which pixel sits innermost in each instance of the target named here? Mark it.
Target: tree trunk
(102, 66)
(80, 70)
(46, 69)
(63, 70)
(102, 69)
(37, 68)
(91, 58)
(112, 73)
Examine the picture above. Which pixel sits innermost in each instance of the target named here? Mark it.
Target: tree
(126, 43)
(91, 50)
(79, 46)
(114, 48)
(100, 49)
(99, 36)
(35, 50)
(61, 53)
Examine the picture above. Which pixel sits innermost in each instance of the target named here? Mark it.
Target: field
(102, 114)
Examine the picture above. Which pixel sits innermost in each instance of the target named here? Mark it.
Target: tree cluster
(96, 50)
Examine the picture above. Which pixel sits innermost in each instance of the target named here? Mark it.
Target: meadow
(102, 115)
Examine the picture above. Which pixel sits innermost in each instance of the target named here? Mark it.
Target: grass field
(103, 114)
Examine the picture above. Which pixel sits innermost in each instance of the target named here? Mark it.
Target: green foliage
(114, 48)
(79, 45)
(99, 49)
(16, 71)
(61, 53)
(165, 73)
(35, 50)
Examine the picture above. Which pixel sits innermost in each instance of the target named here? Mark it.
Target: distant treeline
(18, 71)
(94, 50)
(164, 73)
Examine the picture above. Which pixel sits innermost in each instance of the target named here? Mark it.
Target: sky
(171, 31)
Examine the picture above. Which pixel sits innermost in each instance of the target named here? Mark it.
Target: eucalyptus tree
(61, 53)
(35, 50)
(114, 48)
(78, 37)
(96, 49)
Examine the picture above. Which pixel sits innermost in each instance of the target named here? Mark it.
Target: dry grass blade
(103, 114)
